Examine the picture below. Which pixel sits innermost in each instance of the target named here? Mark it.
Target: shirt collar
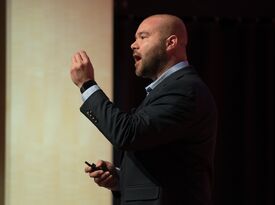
(168, 72)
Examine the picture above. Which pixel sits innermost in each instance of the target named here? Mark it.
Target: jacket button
(89, 113)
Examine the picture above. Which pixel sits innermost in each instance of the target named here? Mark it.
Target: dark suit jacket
(168, 141)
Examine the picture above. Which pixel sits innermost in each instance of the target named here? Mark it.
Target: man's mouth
(136, 57)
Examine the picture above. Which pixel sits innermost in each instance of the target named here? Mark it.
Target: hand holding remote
(104, 174)
(95, 168)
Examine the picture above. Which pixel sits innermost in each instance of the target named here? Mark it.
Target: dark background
(232, 45)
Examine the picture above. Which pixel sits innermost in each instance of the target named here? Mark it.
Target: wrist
(87, 85)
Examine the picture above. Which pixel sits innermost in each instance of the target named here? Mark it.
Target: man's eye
(142, 37)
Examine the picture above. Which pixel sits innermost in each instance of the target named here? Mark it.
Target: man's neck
(166, 67)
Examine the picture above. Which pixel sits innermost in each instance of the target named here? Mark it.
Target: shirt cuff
(87, 93)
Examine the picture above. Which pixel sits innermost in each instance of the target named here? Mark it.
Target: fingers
(81, 69)
(94, 173)
(101, 177)
(106, 180)
(88, 169)
(80, 57)
(84, 56)
(100, 166)
(97, 174)
(100, 163)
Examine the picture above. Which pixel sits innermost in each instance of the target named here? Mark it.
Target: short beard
(154, 64)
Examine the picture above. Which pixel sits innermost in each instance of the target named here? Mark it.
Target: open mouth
(137, 57)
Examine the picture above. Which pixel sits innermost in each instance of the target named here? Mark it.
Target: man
(169, 140)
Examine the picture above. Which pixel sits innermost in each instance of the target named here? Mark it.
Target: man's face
(149, 50)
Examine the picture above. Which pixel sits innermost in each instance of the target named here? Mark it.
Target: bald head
(169, 25)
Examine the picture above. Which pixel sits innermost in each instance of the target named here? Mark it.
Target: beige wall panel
(48, 139)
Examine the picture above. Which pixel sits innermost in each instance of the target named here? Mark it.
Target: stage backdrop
(47, 138)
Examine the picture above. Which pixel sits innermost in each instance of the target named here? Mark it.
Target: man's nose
(134, 45)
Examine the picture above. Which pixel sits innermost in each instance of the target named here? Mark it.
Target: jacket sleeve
(158, 122)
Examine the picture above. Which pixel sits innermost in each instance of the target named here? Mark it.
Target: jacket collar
(179, 66)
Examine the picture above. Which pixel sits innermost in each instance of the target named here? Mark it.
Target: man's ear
(171, 42)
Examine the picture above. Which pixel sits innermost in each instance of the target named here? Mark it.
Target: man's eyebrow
(141, 33)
